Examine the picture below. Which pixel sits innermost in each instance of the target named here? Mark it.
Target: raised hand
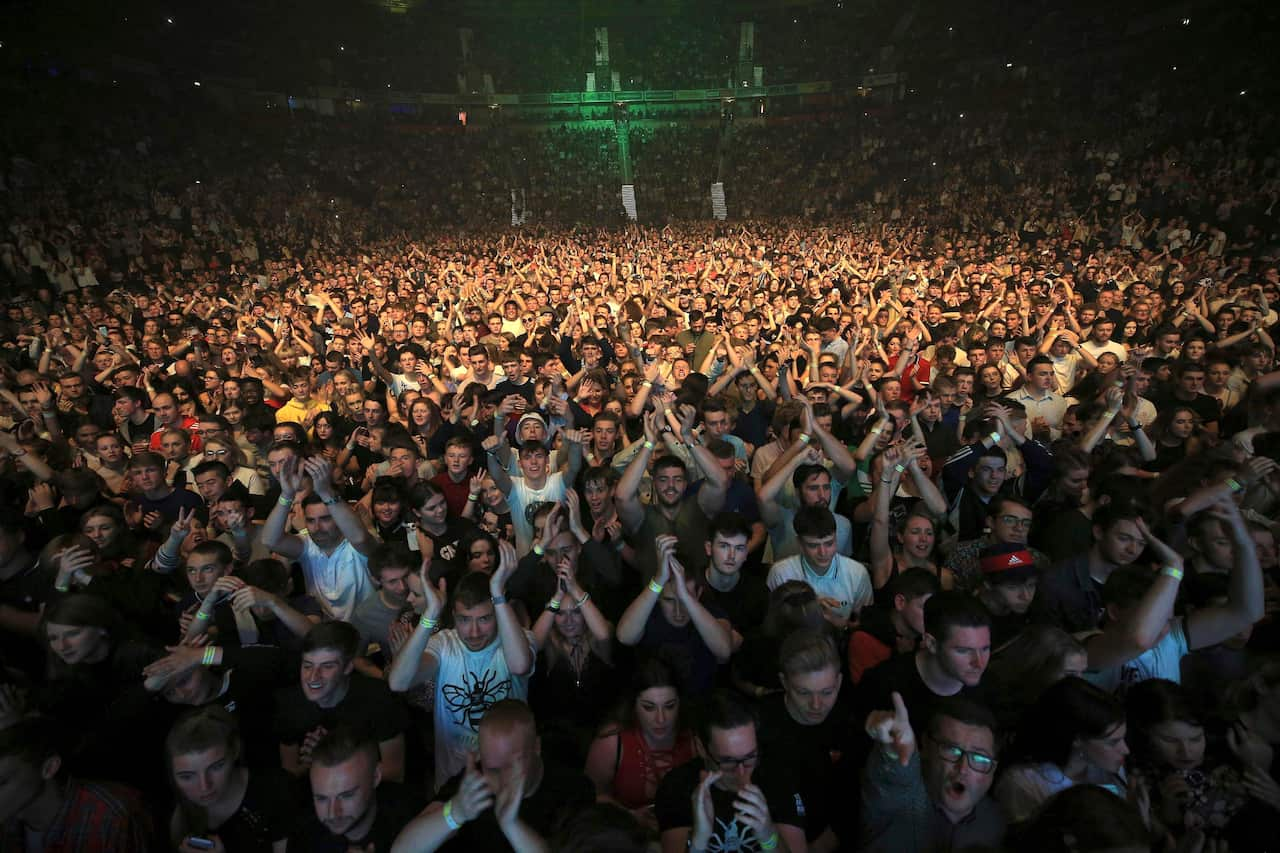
(704, 812)
(183, 524)
(290, 477)
(1166, 555)
(435, 594)
(892, 730)
(474, 795)
(752, 809)
(506, 805)
(666, 547)
(506, 566)
(321, 473)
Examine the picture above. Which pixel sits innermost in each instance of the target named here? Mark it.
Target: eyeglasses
(952, 754)
(1016, 521)
(731, 764)
(216, 452)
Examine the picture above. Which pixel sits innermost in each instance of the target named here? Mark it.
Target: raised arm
(1140, 629)
(413, 664)
(627, 494)
(879, 536)
(636, 616)
(515, 646)
(1209, 626)
(273, 535)
(357, 534)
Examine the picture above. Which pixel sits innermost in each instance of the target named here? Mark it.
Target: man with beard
(932, 795)
(672, 512)
(355, 807)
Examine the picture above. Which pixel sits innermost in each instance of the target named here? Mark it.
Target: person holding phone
(222, 805)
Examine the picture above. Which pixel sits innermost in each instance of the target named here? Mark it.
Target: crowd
(934, 507)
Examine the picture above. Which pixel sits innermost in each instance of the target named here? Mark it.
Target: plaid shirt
(96, 817)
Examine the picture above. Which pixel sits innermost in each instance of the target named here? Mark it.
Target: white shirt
(1095, 349)
(522, 497)
(846, 581)
(1051, 407)
(467, 684)
(339, 581)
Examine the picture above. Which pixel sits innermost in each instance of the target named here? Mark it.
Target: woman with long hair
(574, 680)
(1175, 435)
(1074, 734)
(218, 798)
(630, 757)
(327, 435)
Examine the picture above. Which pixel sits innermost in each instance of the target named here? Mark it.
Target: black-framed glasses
(952, 754)
(730, 764)
(1015, 521)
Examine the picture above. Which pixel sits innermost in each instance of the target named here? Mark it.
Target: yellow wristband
(655, 587)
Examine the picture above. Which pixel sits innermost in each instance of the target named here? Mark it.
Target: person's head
(727, 538)
(1190, 375)
(508, 742)
(988, 473)
(534, 459)
(30, 763)
(792, 605)
(598, 483)
(1009, 577)
(1085, 818)
(478, 550)
(147, 470)
(390, 565)
(917, 534)
(815, 528)
(654, 704)
(344, 777)
(957, 636)
(1166, 725)
(1040, 369)
(203, 751)
(328, 658)
(473, 613)
(1210, 541)
(1103, 328)
(1117, 536)
(727, 740)
(213, 478)
(110, 448)
(812, 484)
(79, 629)
(1075, 722)
(206, 564)
(670, 477)
(1009, 519)
(104, 526)
(958, 756)
(810, 675)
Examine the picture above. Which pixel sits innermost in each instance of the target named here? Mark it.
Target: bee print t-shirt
(468, 684)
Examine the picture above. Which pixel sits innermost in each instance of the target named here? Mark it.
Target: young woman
(1175, 437)
(218, 798)
(1073, 735)
(918, 503)
(629, 758)
(1037, 658)
(575, 680)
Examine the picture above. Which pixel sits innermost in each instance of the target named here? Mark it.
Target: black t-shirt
(810, 755)
(369, 705)
(745, 605)
(255, 675)
(266, 815)
(396, 807)
(673, 804)
(899, 674)
(561, 792)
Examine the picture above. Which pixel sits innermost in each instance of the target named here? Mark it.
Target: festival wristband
(770, 843)
(586, 596)
(209, 653)
(449, 818)
(805, 438)
(995, 438)
(283, 501)
(428, 623)
(1234, 484)
(1172, 572)
(498, 600)
(539, 550)
(655, 587)
(201, 615)
(648, 445)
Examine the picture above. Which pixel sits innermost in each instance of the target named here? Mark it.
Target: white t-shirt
(467, 685)
(1163, 660)
(339, 581)
(846, 581)
(521, 497)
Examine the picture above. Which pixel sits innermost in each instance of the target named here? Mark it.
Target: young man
(952, 657)
(806, 728)
(1009, 586)
(719, 801)
(1043, 402)
(842, 585)
(931, 795)
(668, 614)
(301, 408)
(744, 602)
(43, 809)
(484, 658)
(509, 797)
(330, 693)
(155, 496)
(391, 564)
(355, 807)
(536, 483)
(335, 552)
(896, 627)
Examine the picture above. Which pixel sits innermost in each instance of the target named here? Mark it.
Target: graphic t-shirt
(673, 806)
(467, 684)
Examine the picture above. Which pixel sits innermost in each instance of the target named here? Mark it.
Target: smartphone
(102, 330)
(199, 843)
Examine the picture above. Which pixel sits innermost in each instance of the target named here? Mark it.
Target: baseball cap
(1006, 562)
